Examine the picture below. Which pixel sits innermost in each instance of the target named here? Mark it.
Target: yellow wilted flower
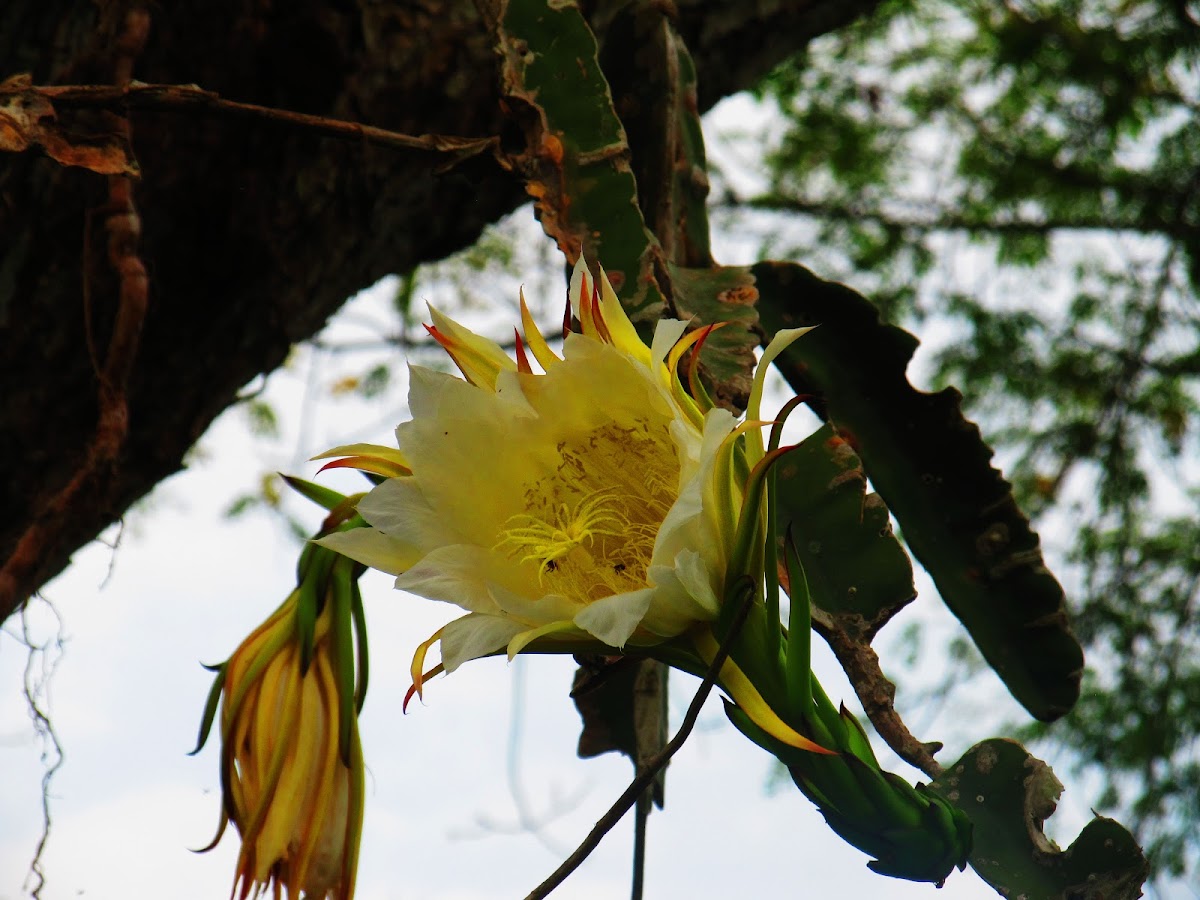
(593, 502)
(291, 762)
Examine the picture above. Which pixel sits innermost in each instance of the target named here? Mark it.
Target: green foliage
(1004, 124)
(1008, 795)
(1025, 174)
(854, 565)
(263, 421)
(932, 468)
(575, 162)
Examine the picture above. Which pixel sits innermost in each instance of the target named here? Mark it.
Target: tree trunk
(252, 234)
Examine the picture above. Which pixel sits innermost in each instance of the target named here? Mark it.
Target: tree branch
(948, 220)
(123, 226)
(192, 98)
(875, 692)
(653, 766)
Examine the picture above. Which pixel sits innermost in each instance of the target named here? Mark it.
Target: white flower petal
(575, 291)
(532, 605)
(693, 573)
(456, 574)
(372, 548)
(666, 333)
(673, 608)
(475, 635)
(425, 389)
(686, 523)
(782, 340)
(399, 509)
(613, 619)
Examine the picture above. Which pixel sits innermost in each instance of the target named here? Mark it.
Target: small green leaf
(210, 707)
(326, 498)
(341, 581)
(360, 645)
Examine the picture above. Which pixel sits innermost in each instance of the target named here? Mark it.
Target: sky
(475, 795)
(441, 821)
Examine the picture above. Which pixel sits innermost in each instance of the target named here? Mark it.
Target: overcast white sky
(441, 821)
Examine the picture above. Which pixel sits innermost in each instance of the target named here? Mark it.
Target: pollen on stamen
(529, 538)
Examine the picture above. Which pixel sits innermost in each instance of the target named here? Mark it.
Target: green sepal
(770, 548)
(856, 740)
(342, 634)
(798, 661)
(313, 586)
(221, 826)
(911, 834)
(354, 817)
(305, 561)
(210, 706)
(326, 498)
(747, 556)
(360, 645)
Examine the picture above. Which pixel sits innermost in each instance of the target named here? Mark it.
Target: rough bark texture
(252, 235)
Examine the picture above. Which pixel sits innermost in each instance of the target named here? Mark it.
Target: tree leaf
(933, 469)
(653, 84)
(721, 294)
(1008, 794)
(575, 162)
(856, 569)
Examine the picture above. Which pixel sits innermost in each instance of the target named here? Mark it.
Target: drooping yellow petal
(479, 359)
(622, 334)
(285, 786)
(545, 357)
(743, 692)
(417, 667)
(386, 461)
(525, 638)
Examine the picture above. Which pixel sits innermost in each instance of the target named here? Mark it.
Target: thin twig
(875, 692)
(645, 803)
(190, 97)
(654, 765)
(36, 686)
